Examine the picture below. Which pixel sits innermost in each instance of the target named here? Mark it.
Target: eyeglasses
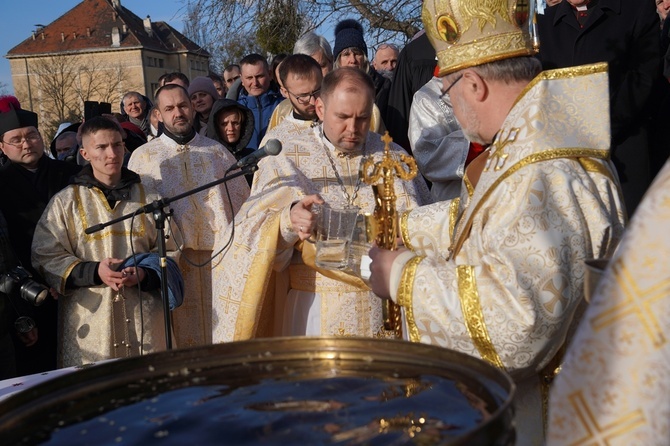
(304, 99)
(31, 138)
(446, 92)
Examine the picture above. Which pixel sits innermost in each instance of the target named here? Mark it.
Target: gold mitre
(467, 33)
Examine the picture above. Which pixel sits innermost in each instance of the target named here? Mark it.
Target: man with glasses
(498, 272)
(28, 180)
(301, 79)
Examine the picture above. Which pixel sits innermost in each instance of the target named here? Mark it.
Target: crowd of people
(530, 163)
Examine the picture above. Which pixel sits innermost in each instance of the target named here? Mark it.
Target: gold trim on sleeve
(474, 316)
(66, 274)
(404, 296)
(404, 230)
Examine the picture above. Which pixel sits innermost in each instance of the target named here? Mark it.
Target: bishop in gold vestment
(498, 273)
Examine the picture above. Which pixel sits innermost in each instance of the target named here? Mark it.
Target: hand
(54, 293)
(132, 276)
(29, 338)
(302, 218)
(380, 269)
(109, 275)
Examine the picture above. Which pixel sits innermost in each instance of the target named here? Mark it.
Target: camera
(19, 279)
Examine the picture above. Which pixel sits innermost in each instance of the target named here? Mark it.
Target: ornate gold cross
(385, 213)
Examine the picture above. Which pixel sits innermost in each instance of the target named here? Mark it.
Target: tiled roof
(88, 26)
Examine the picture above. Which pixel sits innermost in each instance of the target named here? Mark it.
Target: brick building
(97, 51)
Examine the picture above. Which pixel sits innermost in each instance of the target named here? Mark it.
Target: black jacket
(416, 64)
(623, 33)
(24, 197)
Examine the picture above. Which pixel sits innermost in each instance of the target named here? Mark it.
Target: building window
(160, 63)
(150, 61)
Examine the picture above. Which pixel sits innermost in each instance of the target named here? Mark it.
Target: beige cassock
(270, 284)
(614, 386)
(92, 326)
(172, 169)
(498, 273)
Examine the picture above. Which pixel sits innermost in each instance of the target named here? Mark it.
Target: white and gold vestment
(172, 169)
(92, 324)
(270, 284)
(498, 273)
(614, 386)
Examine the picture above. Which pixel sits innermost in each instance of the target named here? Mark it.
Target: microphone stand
(156, 208)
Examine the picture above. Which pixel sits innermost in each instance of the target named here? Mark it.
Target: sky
(20, 18)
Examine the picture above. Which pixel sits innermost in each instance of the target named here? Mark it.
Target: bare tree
(64, 82)
(3, 88)
(390, 20)
(56, 84)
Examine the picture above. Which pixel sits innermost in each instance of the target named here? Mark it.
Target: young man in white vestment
(178, 161)
(103, 313)
(271, 284)
(498, 272)
(301, 84)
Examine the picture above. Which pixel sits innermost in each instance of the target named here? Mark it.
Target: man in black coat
(28, 180)
(624, 33)
(416, 64)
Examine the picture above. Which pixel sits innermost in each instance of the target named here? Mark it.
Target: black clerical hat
(16, 119)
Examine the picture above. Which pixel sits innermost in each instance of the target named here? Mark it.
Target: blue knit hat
(349, 33)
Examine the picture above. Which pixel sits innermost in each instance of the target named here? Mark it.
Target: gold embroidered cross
(637, 302)
(497, 157)
(597, 435)
(325, 180)
(557, 294)
(296, 154)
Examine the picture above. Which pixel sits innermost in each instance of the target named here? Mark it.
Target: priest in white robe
(107, 310)
(176, 162)
(301, 79)
(271, 285)
(498, 273)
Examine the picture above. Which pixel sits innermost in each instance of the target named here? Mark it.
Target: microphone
(271, 148)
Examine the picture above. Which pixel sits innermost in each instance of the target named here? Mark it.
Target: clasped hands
(127, 277)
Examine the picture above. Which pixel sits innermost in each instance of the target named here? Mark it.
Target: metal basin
(272, 391)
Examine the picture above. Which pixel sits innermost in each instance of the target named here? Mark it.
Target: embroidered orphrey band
(404, 296)
(404, 229)
(474, 316)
